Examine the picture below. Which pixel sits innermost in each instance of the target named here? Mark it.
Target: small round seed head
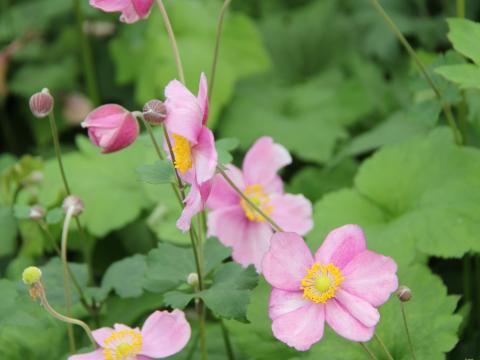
(155, 111)
(192, 279)
(41, 103)
(404, 293)
(31, 275)
(36, 213)
(75, 202)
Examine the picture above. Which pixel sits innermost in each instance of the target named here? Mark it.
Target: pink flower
(192, 142)
(343, 285)
(163, 334)
(111, 127)
(236, 224)
(132, 10)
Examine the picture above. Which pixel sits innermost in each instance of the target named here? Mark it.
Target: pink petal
(203, 97)
(125, 135)
(184, 114)
(105, 116)
(110, 5)
(360, 309)
(205, 156)
(222, 193)
(341, 245)
(142, 7)
(283, 302)
(262, 162)
(227, 224)
(302, 327)
(287, 261)
(293, 213)
(165, 333)
(344, 324)
(371, 277)
(94, 355)
(101, 334)
(253, 243)
(194, 203)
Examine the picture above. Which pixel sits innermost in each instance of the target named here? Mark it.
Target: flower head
(343, 284)
(163, 334)
(236, 223)
(132, 10)
(111, 127)
(41, 103)
(31, 275)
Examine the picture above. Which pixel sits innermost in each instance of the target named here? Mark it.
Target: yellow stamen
(256, 195)
(321, 282)
(122, 345)
(183, 154)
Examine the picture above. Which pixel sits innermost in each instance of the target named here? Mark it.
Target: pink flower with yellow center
(343, 284)
(163, 334)
(236, 224)
(132, 10)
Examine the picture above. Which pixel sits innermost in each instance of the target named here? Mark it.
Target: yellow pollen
(122, 345)
(321, 282)
(183, 154)
(257, 196)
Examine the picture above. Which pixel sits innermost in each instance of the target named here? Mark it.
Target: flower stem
(370, 354)
(173, 41)
(445, 105)
(405, 323)
(384, 347)
(250, 203)
(461, 8)
(217, 46)
(66, 279)
(226, 340)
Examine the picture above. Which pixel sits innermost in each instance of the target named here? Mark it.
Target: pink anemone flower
(236, 224)
(132, 10)
(343, 284)
(192, 142)
(163, 334)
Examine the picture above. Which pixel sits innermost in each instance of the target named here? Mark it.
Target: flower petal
(344, 324)
(105, 116)
(283, 302)
(142, 7)
(362, 310)
(194, 203)
(341, 245)
(371, 276)
(94, 355)
(205, 156)
(222, 193)
(293, 213)
(287, 261)
(203, 97)
(110, 5)
(227, 224)
(165, 333)
(302, 327)
(125, 135)
(262, 162)
(101, 334)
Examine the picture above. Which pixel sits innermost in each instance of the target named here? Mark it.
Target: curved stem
(370, 354)
(66, 279)
(384, 347)
(405, 323)
(445, 105)
(173, 41)
(250, 203)
(217, 46)
(461, 8)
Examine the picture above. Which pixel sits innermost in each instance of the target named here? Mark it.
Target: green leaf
(126, 276)
(464, 35)
(224, 148)
(159, 173)
(8, 231)
(21, 211)
(214, 254)
(177, 299)
(467, 76)
(54, 216)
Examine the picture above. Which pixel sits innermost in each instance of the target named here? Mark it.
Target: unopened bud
(404, 293)
(41, 103)
(36, 213)
(76, 108)
(74, 202)
(31, 275)
(155, 111)
(192, 279)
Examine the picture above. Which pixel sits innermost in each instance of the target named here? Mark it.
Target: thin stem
(197, 259)
(250, 203)
(370, 354)
(66, 279)
(217, 46)
(405, 323)
(461, 8)
(445, 105)
(173, 41)
(384, 347)
(202, 331)
(226, 340)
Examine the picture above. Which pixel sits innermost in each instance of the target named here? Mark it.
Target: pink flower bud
(132, 10)
(36, 213)
(155, 111)
(111, 127)
(76, 107)
(404, 293)
(75, 202)
(41, 103)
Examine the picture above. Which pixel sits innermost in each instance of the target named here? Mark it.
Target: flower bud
(31, 275)
(76, 107)
(192, 279)
(75, 202)
(155, 111)
(404, 293)
(36, 213)
(41, 103)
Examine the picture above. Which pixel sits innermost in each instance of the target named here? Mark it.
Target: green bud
(31, 275)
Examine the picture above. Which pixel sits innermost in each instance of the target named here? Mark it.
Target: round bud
(41, 103)
(31, 275)
(192, 279)
(404, 293)
(155, 111)
(36, 213)
(76, 108)
(75, 202)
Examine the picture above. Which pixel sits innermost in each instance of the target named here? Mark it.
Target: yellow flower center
(122, 345)
(321, 282)
(183, 153)
(257, 196)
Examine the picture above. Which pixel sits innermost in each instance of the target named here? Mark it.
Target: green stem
(226, 340)
(370, 354)
(384, 347)
(461, 8)
(405, 323)
(250, 203)
(467, 278)
(217, 46)
(86, 52)
(445, 105)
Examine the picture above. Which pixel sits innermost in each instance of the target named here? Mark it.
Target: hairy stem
(384, 347)
(66, 279)
(405, 323)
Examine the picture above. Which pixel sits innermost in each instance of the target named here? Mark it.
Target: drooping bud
(31, 275)
(155, 111)
(74, 202)
(404, 293)
(41, 103)
(192, 279)
(36, 213)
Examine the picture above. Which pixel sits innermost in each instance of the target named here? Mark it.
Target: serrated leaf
(464, 35)
(467, 76)
(159, 173)
(126, 276)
